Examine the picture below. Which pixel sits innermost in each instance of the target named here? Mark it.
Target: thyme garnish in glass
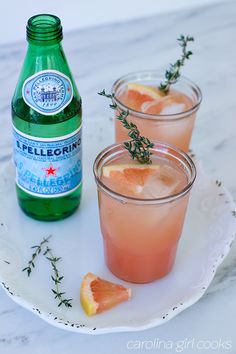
(139, 146)
(173, 73)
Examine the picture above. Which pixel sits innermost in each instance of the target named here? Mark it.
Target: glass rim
(158, 117)
(149, 201)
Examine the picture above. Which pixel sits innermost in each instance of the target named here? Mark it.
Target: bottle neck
(49, 48)
(44, 30)
(47, 57)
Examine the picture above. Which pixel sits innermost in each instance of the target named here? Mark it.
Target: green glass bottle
(46, 115)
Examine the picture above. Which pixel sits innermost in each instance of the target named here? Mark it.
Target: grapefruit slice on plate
(98, 295)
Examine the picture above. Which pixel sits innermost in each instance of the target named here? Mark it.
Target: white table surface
(97, 57)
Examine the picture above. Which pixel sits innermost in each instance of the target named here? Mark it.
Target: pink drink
(167, 118)
(142, 210)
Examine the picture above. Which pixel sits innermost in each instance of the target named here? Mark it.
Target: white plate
(208, 233)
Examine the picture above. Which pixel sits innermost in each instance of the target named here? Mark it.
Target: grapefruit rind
(87, 297)
(144, 90)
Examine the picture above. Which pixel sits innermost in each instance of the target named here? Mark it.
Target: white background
(80, 13)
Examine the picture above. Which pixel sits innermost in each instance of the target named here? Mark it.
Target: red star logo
(68, 89)
(27, 91)
(51, 171)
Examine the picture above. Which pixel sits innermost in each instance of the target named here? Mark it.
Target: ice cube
(173, 108)
(152, 107)
(166, 181)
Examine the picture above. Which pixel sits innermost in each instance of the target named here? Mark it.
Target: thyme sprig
(138, 146)
(173, 73)
(37, 251)
(56, 278)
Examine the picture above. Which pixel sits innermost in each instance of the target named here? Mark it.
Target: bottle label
(48, 167)
(47, 92)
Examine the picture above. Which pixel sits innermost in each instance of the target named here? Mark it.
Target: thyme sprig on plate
(139, 146)
(173, 73)
(37, 250)
(56, 278)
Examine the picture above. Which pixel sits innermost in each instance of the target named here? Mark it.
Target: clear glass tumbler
(141, 235)
(176, 128)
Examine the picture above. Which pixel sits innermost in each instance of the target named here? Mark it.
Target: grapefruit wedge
(138, 94)
(98, 295)
(129, 178)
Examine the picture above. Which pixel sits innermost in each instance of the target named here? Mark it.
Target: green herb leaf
(139, 146)
(56, 278)
(173, 73)
(38, 249)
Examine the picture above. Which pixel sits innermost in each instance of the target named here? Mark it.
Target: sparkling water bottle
(46, 115)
